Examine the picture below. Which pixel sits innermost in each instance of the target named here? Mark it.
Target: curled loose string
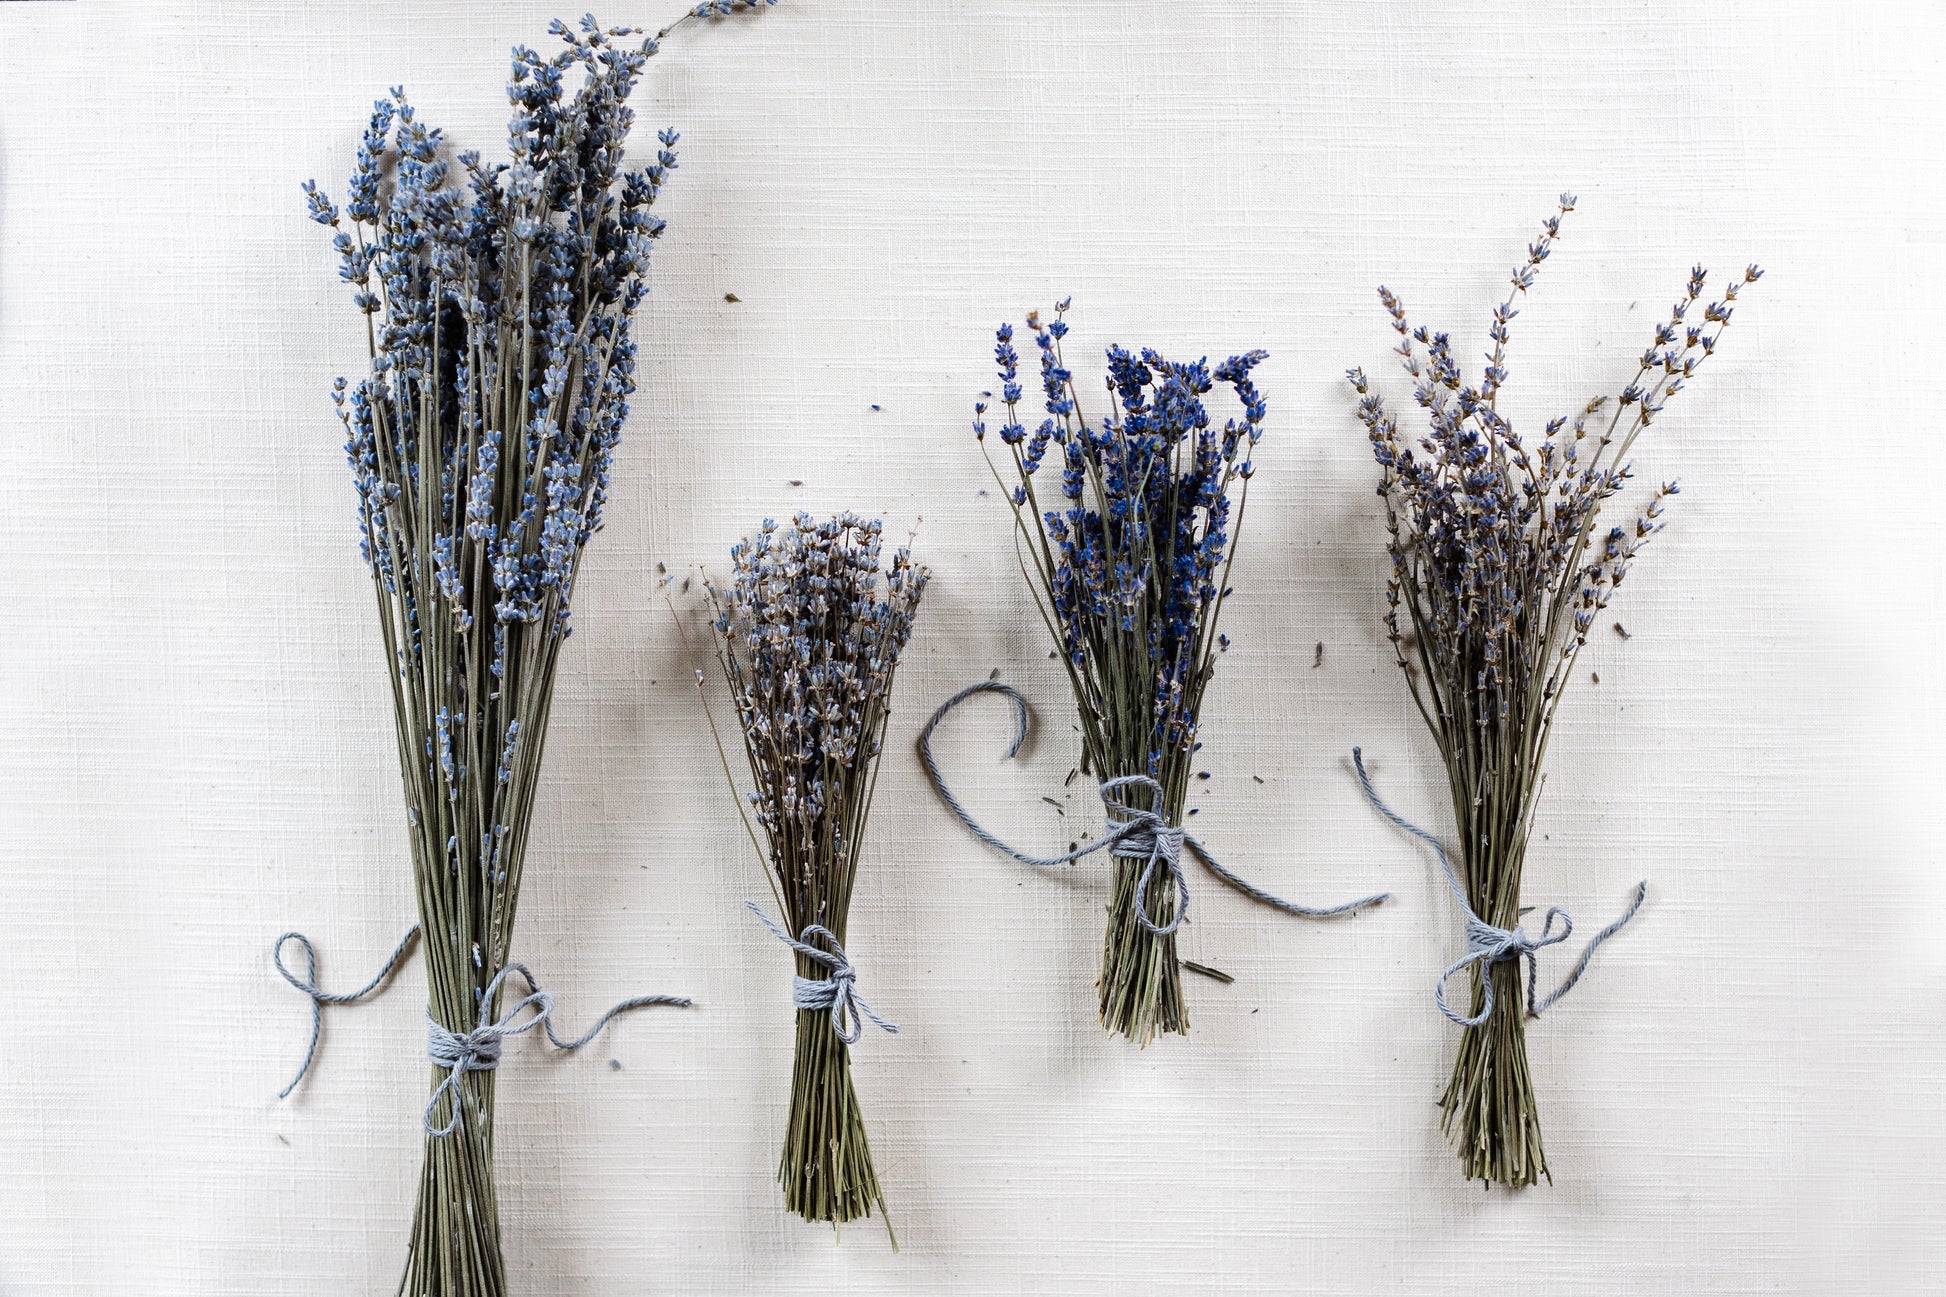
(838, 992)
(459, 1052)
(1133, 833)
(478, 1050)
(1486, 944)
(320, 997)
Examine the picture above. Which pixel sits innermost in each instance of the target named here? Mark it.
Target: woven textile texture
(1746, 1093)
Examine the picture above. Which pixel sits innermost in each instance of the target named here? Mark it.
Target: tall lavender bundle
(809, 641)
(1129, 561)
(481, 441)
(1501, 567)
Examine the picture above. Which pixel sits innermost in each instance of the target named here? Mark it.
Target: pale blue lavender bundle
(498, 303)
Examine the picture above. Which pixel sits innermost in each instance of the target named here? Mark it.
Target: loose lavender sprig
(809, 641)
(1501, 567)
(1128, 560)
(498, 306)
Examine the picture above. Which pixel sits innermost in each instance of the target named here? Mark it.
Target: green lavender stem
(1141, 977)
(826, 1170)
(455, 1245)
(1141, 974)
(1489, 1110)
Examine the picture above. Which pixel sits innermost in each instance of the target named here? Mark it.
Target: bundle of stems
(809, 641)
(1129, 566)
(1499, 567)
(480, 439)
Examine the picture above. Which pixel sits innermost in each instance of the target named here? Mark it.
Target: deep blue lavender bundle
(498, 303)
(1500, 564)
(1128, 557)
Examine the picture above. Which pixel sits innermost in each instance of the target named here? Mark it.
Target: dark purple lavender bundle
(1129, 560)
(481, 441)
(1501, 568)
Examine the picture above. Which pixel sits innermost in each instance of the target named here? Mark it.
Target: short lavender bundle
(809, 635)
(1501, 567)
(1129, 560)
(498, 313)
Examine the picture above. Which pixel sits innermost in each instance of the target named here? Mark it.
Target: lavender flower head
(1133, 546)
(810, 632)
(1494, 545)
(500, 302)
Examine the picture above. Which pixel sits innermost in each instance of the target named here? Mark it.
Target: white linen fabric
(1744, 1095)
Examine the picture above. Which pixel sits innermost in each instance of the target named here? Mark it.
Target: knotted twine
(838, 992)
(477, 1050)
(1488, 945)
(1133, 832)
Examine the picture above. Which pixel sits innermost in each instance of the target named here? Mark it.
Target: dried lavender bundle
(809, 641)
(481, 441)
(1129, 567)
(1497, 563)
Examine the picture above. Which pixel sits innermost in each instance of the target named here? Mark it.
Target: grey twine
(319, 997)
(1133, 833)
(838, 992)
(459, 1052)
(1486, 944)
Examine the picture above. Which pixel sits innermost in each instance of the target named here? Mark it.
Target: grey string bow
(1134, 833)
(477, 1050)
(1488, 945)
(838, 992)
